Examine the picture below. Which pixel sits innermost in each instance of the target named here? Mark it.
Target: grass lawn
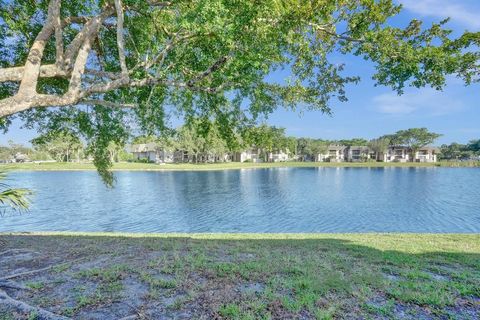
(227, 165)
(245, 276)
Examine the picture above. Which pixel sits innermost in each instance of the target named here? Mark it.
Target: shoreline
(250, 236)
(233, 235)
(132, 166)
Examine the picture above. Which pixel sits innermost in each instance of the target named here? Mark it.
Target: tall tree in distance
(108, 66)
(474, 146)
(200, 138)
(311, 148)
(319, 147)
(379, 146)
(455, 151)
(415, 138)
(62, 146)
(266, 138)
(190, 141)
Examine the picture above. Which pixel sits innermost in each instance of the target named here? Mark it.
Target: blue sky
(374, 111)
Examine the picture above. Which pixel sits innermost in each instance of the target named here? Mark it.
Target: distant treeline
(197, 138)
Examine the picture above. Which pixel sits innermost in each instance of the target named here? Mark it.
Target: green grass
(35, 285)
(399, 242)
(229, 165)
(265, 276)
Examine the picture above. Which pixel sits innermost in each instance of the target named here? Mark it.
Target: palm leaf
(16, 199)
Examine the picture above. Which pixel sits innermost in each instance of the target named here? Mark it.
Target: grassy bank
(228, 165)
(246, 276)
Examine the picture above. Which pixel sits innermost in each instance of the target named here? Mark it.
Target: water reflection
(255, 200)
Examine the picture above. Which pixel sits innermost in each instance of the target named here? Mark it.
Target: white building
(255, 155)
(357, 153)
(278, 156)
(335, 153)
(249, 155)
(151, 152)
(403, 154)
(426, 154)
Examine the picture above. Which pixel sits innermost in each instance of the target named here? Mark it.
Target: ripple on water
(260, 200)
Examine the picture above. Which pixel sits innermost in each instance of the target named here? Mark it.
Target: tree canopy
(474, 146)
(413, 138)
(379, 145)
(354, 142)
(112, 67)
(456, 151)
(310, 148)
(61, 146)
(207, 142)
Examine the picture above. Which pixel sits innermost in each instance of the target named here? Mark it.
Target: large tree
(311, 148)
(61, 146)
(474, 146)
(266, 138)
(454, 151)
(414, 139)
(9, 153)
(379, 146)
(112, 65)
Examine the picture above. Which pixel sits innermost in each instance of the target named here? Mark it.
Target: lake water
(254, 200)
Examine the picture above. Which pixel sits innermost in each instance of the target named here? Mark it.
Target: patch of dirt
(250, 288)
(411, 312)
(438, 277)
(134, 291)
(278, 311)
(463, 309)
(111, 278)
(392, 277)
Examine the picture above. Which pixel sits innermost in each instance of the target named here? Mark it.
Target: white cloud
(457, 11)
(426, 101)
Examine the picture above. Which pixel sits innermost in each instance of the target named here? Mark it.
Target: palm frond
(16, 199)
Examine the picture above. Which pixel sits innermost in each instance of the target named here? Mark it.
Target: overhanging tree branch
(175, 58)
(72, 64)
(31, 71)
(108, 104)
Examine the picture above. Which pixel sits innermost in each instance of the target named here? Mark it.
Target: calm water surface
(254, 200)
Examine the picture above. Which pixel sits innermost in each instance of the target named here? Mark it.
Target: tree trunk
(414, 152)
